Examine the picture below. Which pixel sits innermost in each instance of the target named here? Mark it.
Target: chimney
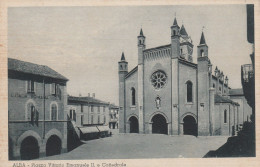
(93, 95)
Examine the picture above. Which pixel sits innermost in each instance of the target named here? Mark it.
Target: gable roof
(221, 99)
(131, 72)
(236, 92)
(31, 68)
(85, 99)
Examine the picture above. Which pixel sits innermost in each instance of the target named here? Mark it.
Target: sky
(85, 43)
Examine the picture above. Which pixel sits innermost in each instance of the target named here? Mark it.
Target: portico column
(181, 128)
(128, 127)
(43, 149)
(169, 128)
(174, 120)
(150, 127)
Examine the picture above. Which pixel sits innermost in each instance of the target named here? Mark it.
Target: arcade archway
(53, 146)
(29, 148)
(134, 128)
(190, 126)
(159, 124)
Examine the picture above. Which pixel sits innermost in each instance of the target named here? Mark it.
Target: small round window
(158, 79)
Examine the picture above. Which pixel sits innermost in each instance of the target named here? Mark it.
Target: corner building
(168, 93)
(37, 119)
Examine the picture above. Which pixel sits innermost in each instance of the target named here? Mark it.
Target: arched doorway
(29, 148)
(53, 146)
(159, 124)
(190, 126)
(134, 128)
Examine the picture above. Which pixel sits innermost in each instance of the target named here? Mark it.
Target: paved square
(136, 146)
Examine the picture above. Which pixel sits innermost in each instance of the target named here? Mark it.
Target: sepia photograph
(130, 82)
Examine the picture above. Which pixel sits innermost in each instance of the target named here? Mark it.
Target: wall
(19, 125)
(131, 82)
(162, 62)
(187, 73)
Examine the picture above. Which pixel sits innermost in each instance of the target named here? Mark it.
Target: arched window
(213, 85)
(189, 91)
(181, 51)
(225, 116)
(133, 96)
(174, 32)
(202, 53)
(140, 42)
(30, 113)
(53, 112)
(219, 88)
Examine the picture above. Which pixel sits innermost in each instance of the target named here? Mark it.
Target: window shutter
(29, 86)
(53, 88)
(34, 85)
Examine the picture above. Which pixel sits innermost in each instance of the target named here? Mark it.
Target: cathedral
(167, 93)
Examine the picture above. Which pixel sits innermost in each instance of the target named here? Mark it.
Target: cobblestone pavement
(135, 146)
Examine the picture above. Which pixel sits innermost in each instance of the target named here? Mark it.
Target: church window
(225, 116)
(189, 91)
(219, 88)
(202, 53)
(140, 42)
(158, 79)
(213, 85)
(181, 51)
(133, 96)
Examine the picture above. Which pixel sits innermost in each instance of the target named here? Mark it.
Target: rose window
(158, 79)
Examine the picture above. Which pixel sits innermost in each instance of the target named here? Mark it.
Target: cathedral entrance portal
(190, 126)
(159, 124)
(134, 128)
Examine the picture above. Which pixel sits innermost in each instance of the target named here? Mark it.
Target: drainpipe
(43, 136)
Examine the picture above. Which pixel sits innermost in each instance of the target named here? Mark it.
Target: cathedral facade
(168, 93)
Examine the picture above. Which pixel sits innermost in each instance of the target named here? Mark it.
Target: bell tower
(186, 46)
(175, 39)
(122, 71)
(141, 48)
(175, 49)
(203, 88)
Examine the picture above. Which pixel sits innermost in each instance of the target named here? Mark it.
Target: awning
(90, 129)
(103, 128)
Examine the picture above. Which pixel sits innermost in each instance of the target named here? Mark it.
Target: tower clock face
(158, 79)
